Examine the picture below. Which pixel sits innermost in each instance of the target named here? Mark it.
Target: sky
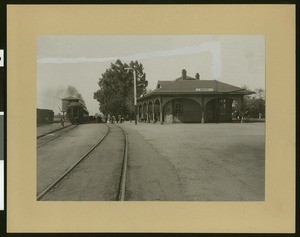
(78, 61)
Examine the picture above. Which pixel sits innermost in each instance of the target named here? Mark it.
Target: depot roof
(190, 85)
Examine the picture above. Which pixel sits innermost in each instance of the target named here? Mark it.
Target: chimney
(183, 74)
(197, 76)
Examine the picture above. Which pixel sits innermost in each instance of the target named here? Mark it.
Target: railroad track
(42, 135)
(120, 193)
(53, 138)
(122, 184)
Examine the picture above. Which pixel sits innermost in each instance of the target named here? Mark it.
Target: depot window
(178, 107)
(222, 107)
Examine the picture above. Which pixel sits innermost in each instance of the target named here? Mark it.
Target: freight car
(44, 116)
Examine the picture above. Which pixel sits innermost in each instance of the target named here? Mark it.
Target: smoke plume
(72, 91)
(51, 98)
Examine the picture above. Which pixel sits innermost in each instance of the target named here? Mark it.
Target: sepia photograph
(159, 118)
(150, 118)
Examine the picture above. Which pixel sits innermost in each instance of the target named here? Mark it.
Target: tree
(116, 96)
(254, 105)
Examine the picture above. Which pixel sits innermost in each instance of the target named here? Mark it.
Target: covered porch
(189, 108)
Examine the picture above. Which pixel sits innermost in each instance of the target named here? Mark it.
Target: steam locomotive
(76, 112)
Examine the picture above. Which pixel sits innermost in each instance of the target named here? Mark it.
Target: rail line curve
(42, 194)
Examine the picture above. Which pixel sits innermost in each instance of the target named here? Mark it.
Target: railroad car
(44, 116)
(76, 111)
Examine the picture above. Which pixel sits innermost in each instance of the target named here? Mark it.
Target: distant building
(191, 100)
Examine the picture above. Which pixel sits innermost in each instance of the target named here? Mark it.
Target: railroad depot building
(191, 100)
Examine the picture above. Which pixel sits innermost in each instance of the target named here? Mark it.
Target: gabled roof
(162, 84)
(191, 85)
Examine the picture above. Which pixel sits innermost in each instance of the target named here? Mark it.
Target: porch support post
(153, 112)
(202, 110)
(242, 109)
(160, 112)
(217, 110)
(147, 112)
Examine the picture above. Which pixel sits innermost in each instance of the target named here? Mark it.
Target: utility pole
(135, 102)
(134, 91)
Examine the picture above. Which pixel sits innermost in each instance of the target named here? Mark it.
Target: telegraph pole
(135, 102)
(134, 91)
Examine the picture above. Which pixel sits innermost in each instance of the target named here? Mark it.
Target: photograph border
(281, 208)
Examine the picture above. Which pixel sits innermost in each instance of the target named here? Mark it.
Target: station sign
(205, 89)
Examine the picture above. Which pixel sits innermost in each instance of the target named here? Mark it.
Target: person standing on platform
(108, 118)
(62, 121)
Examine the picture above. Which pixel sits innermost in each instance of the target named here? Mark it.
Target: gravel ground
(172, 162)
(60, 154)
(200, 162)
(97, 177)
(49, 128)
(54, 135)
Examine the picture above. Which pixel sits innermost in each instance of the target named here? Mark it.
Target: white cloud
(213, 47)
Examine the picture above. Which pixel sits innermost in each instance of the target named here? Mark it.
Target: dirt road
(176, 162)
(97, 177)
(196, 162)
